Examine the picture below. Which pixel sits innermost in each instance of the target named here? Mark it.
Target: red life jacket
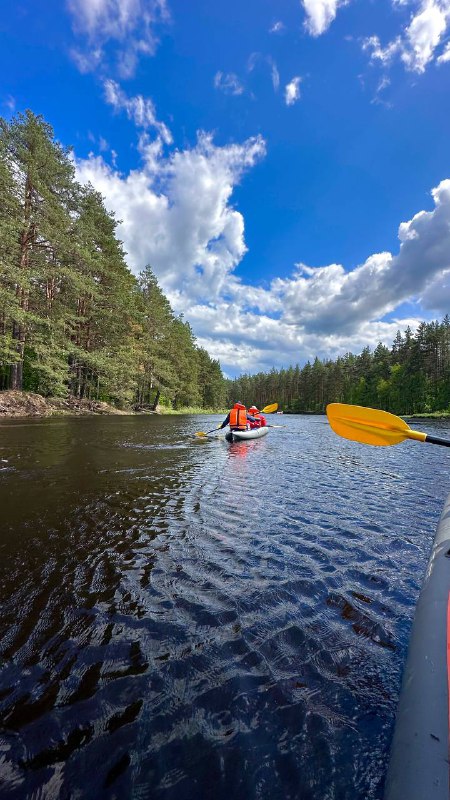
(238, 418)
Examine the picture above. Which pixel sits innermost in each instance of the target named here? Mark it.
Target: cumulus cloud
(320, 14)
(177, 214)
(228, 82)
(417, 44)
(331, 299)
(424, 33)
(436, 296)
(292, 91)
(139, 109)
(329, 310)
(121, 29)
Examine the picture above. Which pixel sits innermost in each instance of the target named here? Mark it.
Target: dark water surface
(191, 619)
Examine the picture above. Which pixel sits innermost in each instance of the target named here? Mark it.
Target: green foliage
(412, 377)
(73, 319)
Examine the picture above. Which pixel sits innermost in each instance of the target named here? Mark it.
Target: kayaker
(260, 420)
(238, 419)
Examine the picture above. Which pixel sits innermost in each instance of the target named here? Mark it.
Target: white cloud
(417, 44)
(256, 59)
(177, 215)
(330, 299)
(328, 311)
(125, 27)
(445, 56)
(320, 14)
(275, 74)
(186, 227)
(292, 91)
(277, 27)
(424, 34)
(378, 98)
(386, 54)
(228, 83)
(139, 109)
(436, 296)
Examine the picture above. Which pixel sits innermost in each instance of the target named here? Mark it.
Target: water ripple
(215, 620)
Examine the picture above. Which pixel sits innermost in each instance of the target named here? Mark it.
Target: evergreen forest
(411, 377)
(73, 319)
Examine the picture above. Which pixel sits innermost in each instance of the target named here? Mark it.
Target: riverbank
(28, 404)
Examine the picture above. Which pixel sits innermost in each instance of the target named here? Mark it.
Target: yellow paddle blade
(202, 433)
(270, 409)
(369, 425)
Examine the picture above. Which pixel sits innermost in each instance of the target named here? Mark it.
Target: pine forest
(413, 377)
(75, 321)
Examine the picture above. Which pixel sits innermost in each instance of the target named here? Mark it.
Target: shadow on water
(188, 621)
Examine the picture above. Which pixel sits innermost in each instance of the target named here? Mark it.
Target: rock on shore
(29, 404)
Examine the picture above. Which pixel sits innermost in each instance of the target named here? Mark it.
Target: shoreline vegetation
(410, 378)
(15, 404)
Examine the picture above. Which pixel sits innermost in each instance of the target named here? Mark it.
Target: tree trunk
(156, 400)
(18, 331)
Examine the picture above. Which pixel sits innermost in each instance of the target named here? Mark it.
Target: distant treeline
(410, 378)
(73, 319)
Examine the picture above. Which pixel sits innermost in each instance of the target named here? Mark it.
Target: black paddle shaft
(435, 440)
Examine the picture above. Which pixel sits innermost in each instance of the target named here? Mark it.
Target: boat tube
(419, 763)
(239, 436)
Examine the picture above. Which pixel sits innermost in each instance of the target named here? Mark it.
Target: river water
(187, 619)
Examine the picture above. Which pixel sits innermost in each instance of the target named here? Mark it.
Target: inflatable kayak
(239, 436)
(419, 764)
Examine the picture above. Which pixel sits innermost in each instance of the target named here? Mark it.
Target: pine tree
(10, 217)
(157, 374)
(44, 190)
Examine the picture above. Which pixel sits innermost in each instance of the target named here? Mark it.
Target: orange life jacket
(238, 418)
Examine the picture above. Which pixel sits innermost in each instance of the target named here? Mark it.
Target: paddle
(269, 409)
(266, 410)
(203, 433)
(371, 426)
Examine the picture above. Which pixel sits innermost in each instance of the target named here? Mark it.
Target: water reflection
(214, 620)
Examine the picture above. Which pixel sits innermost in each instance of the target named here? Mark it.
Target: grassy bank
(429, 415)
(193, 410)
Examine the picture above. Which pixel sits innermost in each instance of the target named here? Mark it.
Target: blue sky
(264, 157)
